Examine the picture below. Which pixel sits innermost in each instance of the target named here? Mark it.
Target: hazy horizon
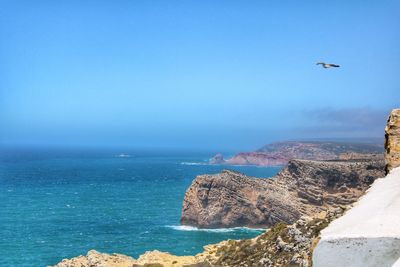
(225, 76)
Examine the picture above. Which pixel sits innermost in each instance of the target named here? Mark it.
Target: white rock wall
(369, 233)
(397, 263)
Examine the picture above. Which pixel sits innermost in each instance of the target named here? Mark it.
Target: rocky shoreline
(293, 207)
(282, 245)
(298, 203)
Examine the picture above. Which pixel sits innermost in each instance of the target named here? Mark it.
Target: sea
(57, 204)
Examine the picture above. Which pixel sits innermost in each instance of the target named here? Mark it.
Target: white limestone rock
(369, 233)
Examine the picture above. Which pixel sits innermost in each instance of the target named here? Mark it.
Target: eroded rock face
(304, 187)
(392, 140)
(233, 199)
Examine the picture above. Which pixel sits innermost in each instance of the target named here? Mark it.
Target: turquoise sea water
(57, 205)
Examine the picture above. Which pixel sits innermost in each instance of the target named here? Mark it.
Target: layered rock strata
(392, 140)
(304, 187)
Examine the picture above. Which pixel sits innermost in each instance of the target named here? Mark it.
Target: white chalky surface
(369, 233)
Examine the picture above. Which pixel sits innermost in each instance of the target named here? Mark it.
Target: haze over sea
(59, 204)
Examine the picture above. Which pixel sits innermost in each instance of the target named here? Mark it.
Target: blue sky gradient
(195, 74)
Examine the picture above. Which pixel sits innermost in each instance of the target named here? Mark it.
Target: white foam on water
(123, 156)
(193, 163)
(214, 230)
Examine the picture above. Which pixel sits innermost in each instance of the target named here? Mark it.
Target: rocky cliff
(304, 187)
(392, 140)
(280, 153)
(283, 244)
(367, 235)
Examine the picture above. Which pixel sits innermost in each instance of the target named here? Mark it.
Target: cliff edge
(304, 187)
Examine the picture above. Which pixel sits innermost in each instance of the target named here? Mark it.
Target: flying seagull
(328, 65)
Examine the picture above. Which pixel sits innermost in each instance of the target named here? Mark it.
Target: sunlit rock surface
(392, 140)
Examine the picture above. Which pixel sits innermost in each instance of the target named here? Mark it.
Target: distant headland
(280, 153)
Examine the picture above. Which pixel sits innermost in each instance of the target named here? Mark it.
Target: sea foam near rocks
(214, 230)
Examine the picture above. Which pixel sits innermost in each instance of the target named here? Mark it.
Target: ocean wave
(214, 230)
(123, 156)
(194, 163)
(227, 165)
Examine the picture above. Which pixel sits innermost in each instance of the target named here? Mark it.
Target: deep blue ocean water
(57, 205)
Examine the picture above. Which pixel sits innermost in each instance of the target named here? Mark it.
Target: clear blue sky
(195, 74)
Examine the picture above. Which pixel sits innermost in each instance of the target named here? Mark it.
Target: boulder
(217, 159)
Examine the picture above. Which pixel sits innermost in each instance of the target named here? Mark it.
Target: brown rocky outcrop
(392, 140)
(233, 199)
(304, 187)
(95, 258)
(152, 258)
